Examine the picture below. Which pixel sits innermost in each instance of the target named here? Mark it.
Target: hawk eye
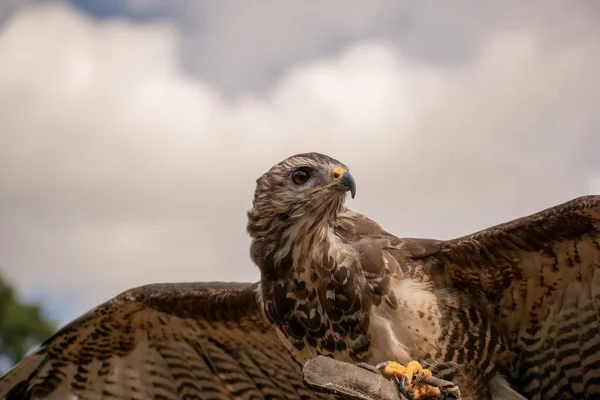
(300, 176)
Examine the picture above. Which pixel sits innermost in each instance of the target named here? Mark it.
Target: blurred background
(132, 131)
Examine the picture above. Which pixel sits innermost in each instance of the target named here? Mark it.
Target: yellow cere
(337, 172)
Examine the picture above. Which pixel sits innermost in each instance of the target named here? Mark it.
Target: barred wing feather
(163, 341)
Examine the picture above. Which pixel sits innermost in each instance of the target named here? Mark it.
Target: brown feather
(538, 279)
(174, 341)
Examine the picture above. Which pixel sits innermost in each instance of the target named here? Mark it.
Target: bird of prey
(510, 312)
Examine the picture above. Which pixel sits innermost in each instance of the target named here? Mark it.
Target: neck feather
(280, 240)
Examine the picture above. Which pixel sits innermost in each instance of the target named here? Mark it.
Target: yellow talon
(420, 390)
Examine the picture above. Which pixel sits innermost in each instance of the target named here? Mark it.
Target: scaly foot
(404, 378)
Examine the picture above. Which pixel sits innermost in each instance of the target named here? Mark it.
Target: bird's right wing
(167, 341)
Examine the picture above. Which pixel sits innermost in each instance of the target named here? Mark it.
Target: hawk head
(301, 190)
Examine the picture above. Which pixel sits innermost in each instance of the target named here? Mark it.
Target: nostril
(337, 173)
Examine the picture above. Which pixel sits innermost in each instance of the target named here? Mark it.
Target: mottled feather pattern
(436, 325)
(169, 341)
(457, 331)
(538, 280)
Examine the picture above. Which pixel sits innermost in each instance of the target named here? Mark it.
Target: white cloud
(117, 169)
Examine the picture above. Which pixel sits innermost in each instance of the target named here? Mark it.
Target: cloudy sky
(132, 131)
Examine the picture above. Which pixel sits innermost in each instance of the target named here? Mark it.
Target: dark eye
(300, 176)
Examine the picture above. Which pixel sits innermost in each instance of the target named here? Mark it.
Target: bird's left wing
(167, 341)
(538, 277)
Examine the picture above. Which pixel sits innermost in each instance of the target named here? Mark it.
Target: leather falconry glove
(361, 381)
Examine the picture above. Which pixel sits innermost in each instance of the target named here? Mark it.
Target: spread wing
(168, 341)
(539, 277)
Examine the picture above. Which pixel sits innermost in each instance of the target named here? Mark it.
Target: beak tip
(347, 182)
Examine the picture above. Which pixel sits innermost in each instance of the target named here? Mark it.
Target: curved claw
(401, 384)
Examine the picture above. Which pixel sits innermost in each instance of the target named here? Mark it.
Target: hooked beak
(342, 180)
(346, 183)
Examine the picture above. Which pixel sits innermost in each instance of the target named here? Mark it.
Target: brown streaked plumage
(170, 341)
(513, 308)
